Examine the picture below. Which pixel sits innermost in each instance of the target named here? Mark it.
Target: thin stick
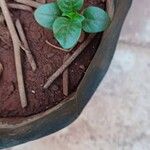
(110, 8)
(68, 62)
(66, 78)
(26, 45)
(16, 44)
(29, 3)
(54, 46)
(20, 6)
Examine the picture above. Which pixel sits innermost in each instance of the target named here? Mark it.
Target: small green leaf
(67, 32)
(74, 15)
(70, 5)
(46, 14)
(96, 20)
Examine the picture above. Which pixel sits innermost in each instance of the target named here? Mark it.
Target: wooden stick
(110, 8)
(52, 78)
(66, 78)
(29, 3)
(20, 6)
(26, 45)
(16, 44)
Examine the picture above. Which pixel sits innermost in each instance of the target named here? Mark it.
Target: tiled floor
(118, 116)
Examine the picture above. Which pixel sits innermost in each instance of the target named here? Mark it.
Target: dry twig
(26, 46)
(68, 61)
(66, 78)
(16, 44)
(20, 6)
(30, 3)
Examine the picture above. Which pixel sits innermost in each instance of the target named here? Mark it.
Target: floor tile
(137, 25)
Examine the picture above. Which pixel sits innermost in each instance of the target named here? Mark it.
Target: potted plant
(49, 104)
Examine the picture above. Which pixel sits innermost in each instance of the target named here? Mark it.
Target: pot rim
(60, 116)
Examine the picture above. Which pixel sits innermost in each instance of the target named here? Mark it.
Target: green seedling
(67, 21)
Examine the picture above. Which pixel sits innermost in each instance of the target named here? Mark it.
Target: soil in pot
(48, 60)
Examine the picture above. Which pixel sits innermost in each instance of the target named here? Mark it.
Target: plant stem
(16, 44)
(52, 78)
(29, 3)
(56, 47)
(25, 43)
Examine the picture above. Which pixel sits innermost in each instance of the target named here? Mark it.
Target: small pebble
(82, 67)
(33, 91)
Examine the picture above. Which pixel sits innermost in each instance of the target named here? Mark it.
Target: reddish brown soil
(48, 60)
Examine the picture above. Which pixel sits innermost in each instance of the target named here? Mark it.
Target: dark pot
(21, 130)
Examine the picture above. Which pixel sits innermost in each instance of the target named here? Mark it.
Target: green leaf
(96, 20)
(46, 14)
(67, 32)
(74, 15)
(70, 5)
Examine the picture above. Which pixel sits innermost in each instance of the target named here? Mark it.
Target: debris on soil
(78, 51)
(30, 3)
(16, 45)
(20, 6)
(1, 69)
(49, 59)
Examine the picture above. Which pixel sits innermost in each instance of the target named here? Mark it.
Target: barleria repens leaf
(70, 5)
(64, 18)
(67, 32)
(74, 15)
(46, 14)
(96, 20)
